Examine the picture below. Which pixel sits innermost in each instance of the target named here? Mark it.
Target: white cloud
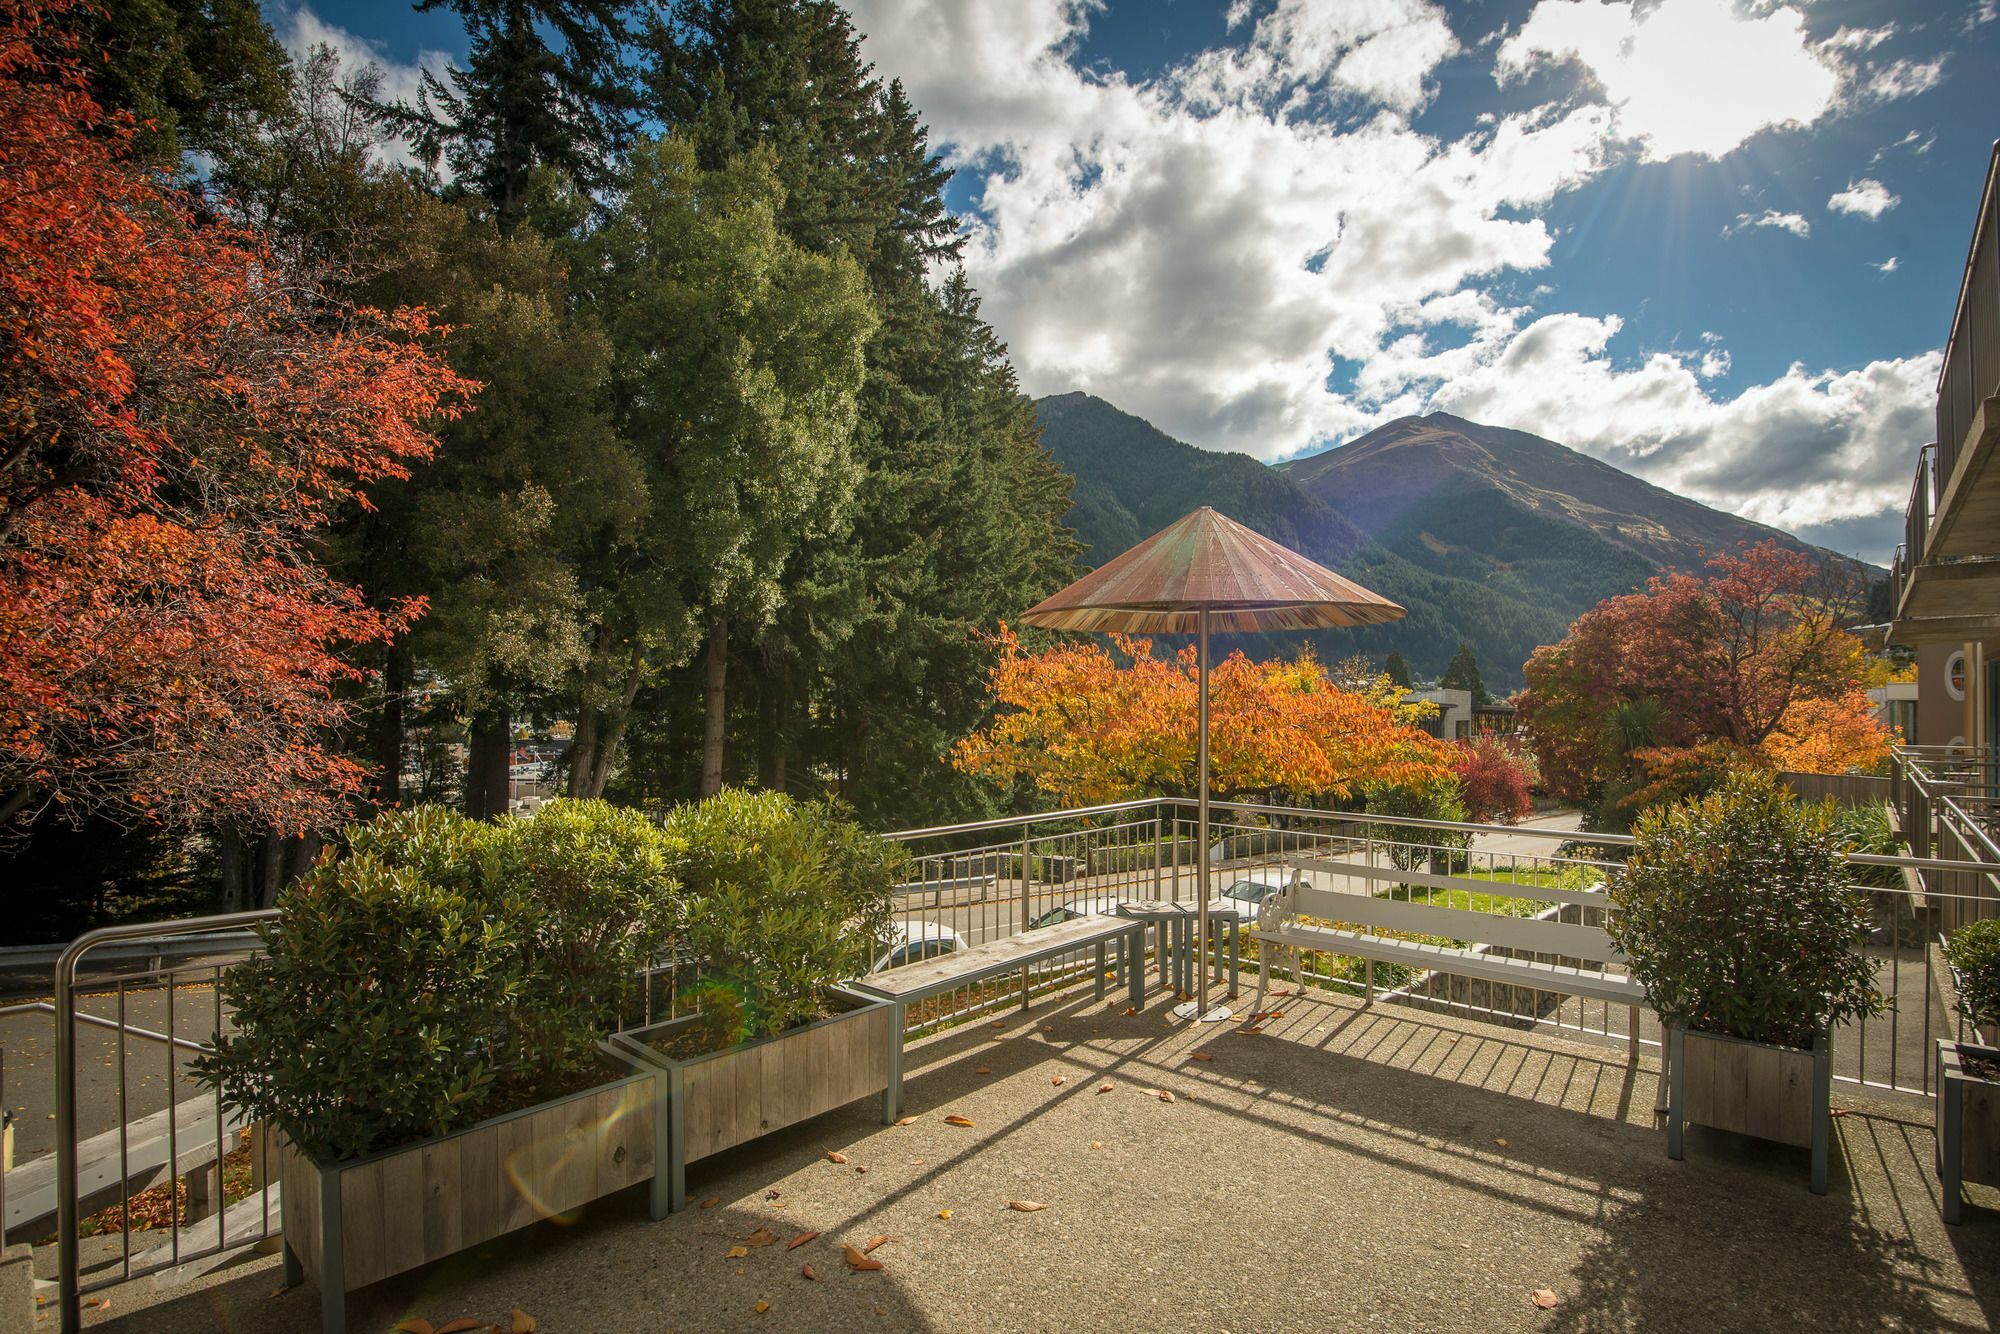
(1685, 76)
(1906, 77)
(1197, 247)
(301, 30)
(1795, 223)
(1889, 265)
(1867, 198)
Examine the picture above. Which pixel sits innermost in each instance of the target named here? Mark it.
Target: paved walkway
(1346, 1168)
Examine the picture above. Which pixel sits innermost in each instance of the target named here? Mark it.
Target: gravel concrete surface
(1345, 1168)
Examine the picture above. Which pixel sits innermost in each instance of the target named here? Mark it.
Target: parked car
(915, 941)
(1248, 891)
(1075, 908)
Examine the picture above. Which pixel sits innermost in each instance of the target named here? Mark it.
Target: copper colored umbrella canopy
(1244, 580)
(1205, 573)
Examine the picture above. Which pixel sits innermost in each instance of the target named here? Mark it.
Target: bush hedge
(1974, 953)
(1736, 911)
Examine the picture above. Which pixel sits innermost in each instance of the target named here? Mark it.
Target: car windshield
(1250, 891)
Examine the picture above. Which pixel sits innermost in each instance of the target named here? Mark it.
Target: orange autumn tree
(181, 414)
(1085, 727)
(1828, 736)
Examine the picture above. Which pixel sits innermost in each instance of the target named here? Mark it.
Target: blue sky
(1715, 242)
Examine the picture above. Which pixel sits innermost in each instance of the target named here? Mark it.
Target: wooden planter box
(1752, 1088)
(1968, 1123)
(725, 1098)
(351, 1223)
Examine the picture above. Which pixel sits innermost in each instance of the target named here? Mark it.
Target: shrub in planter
(781, 901)
(425, 1025)
(1968, 1075)
(1736, 912)
(441, 971)
(1974, 954)
(376, 1017)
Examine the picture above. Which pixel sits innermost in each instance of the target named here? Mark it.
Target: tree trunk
(715, 715)
(388, 781)
(488, 763)
(771, 770)
(583, 752)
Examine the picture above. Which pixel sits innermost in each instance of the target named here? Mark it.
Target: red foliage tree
(1691, 660)
(1495, 782)
(179, 414)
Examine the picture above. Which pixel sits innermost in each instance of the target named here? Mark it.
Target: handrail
(1014, 821)
(68, 1251)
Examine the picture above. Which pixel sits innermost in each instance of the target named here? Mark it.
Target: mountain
(1496, 537)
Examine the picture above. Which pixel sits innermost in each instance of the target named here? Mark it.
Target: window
(1954, 675)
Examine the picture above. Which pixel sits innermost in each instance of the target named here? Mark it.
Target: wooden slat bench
(1279, 925)
(911, 983)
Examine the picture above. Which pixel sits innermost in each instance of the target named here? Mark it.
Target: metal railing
(992, 878)
(177, 1117)
(1971, 370)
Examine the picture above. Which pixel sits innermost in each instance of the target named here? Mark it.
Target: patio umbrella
(1202, 574)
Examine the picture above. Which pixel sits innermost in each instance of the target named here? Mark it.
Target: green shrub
(1866, 828)
(598, 898)
(1737, 915)
(1974, 951)
(783, 899)
(443, 971)
(375, 1016)
(1410, 848)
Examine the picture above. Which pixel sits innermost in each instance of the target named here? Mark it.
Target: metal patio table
(1174, 933)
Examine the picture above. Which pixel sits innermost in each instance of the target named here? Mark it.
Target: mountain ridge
(1485, 534)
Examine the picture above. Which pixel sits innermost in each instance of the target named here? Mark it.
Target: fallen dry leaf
(983, 1070)
(1161, 1094)
(1048, 1028)
(1026, 1206)
(461, 1325)
(1544, 1298)
(998, 1023)
(1104, 1088)
(415, 1324)
(800, 1240)
(944, 1213)
(738, 1252)
(778, 1204)
(1253, 1029)
(956, 1120)
(807, 1270)
(861, 1170)
(761, 1307)
(875, 1241)
(711, 1202)
(1131, 1009)
(1501, 1142)
(772, 1194)
(1286, 992)
(1057, 1081)
(763, 1236)
(520, 1322)
(1097, 1144)
(835, 1157)
(859, 1259)
(1275, 1014)
(906, 1120)
(1202, 1055)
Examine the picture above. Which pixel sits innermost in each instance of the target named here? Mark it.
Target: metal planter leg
(892, 1096)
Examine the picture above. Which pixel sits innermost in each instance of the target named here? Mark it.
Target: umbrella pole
(1201, 818)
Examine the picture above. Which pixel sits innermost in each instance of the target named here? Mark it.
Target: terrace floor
(1347, 1167)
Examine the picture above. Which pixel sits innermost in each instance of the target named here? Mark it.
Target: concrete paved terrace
(1346, 1167)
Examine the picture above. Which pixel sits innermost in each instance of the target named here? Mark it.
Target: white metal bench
(1303, 918)
(996, 958)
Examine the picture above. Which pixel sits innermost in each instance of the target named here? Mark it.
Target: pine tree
(1398, 671)
(875, 662)
(1463, 674)
(522, 102)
